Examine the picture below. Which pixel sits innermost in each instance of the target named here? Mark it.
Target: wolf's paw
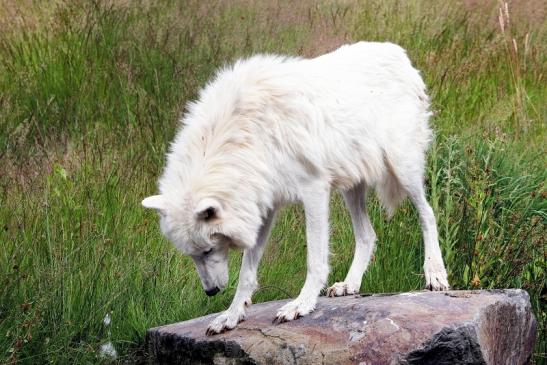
(342, 288)
(435, 277)
(293, 310)
(224, 322)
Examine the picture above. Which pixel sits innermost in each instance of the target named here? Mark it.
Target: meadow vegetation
(90, 95)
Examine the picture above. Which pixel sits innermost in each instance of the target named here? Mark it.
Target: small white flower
(108, 350)
(107, 320)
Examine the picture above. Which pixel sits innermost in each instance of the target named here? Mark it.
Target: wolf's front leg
(316, 205)
(247, 283)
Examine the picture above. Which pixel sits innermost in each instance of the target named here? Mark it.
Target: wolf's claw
(435, 277)
(224, 322)
(341, 289)
(293, 310)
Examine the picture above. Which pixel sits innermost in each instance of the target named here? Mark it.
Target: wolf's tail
(389, 191)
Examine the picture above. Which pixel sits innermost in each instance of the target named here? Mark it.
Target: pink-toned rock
(454, 327)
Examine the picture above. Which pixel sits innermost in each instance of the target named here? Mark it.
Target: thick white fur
(270, 130)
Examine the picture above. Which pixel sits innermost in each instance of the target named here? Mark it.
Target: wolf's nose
(213, 291)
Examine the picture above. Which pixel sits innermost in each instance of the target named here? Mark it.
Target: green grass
(89, 100)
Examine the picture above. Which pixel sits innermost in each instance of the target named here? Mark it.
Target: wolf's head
(205, 230)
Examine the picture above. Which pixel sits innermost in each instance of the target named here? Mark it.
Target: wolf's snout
(211, 292)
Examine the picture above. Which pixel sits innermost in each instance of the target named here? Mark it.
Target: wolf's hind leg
(435, 272)
(365, 240)
(434, 269)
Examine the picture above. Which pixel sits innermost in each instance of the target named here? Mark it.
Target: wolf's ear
(155, 202)
(208, 209)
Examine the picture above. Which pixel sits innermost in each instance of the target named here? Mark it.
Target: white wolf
(272, 129)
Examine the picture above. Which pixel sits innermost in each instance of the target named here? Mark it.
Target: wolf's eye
(206, 253)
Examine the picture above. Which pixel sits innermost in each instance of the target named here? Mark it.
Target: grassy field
(90, 93)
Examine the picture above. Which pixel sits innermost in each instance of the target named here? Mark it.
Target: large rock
(455, 327)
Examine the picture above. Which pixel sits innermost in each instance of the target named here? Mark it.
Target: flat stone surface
(454, 327)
